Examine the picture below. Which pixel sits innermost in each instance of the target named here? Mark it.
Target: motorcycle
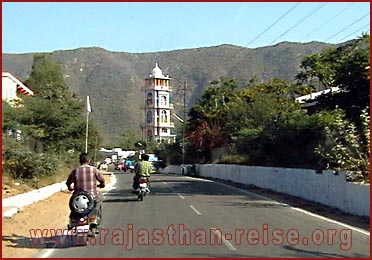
(83, 213)
(144, 185)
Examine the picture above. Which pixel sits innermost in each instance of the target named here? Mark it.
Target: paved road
(189, 217)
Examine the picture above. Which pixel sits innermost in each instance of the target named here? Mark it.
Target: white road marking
(195, 210)
(332, 221)
(226, 242)
(164, 182)
(171, 188)
(362, 231)
(47, 253)
(199, 179)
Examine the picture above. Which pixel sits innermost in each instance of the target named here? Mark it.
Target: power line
(268, 28)
(361, 28)
(347, 27)
(320, 5)
(344, 30)
(328, 21)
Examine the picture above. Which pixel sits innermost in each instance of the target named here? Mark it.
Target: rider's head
(83, 158)
(145, 157)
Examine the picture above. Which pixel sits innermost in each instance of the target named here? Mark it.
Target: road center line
(179, 195)
(226, 242)
(195, 210)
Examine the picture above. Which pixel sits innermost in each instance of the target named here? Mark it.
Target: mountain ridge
(114, 80)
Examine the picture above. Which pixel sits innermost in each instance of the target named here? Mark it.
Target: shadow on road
(120, 196)
(310, 253)
(57, 241)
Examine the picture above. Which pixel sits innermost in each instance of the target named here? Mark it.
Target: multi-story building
(158, 107)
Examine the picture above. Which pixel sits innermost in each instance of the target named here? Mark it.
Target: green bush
(343, 148)
(24, 164)
(283, 142)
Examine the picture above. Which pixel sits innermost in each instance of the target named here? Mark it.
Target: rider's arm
(100, 179)
(150, 168)
(137, 168)
(70, 180)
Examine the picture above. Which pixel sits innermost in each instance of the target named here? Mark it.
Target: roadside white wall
(325, 188)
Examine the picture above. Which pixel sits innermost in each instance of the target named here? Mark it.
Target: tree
(46, 79)
(227, 114)
(127, 140)
(53, 117)
(347, 68)
(270, 127)
(206, 125)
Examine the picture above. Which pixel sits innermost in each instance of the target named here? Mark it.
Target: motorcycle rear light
(83, 221)
(143, 180)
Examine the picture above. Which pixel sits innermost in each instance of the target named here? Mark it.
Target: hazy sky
(160, 26)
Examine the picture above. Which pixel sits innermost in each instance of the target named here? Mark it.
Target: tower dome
(157, 72)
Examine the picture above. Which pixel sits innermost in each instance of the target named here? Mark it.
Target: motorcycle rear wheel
(85, 195)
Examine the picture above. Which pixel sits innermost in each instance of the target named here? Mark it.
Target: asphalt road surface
(191, 217)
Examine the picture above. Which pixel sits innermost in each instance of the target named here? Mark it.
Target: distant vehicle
(129, 165)
(102, 166)
(108, 160)
(120, 166)
(188, 169)
(152, 157)
(117, 166)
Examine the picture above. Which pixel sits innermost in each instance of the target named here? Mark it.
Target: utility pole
(86, 133)
(183, 124)
(89, 110)
(143, 133)
(95, 148)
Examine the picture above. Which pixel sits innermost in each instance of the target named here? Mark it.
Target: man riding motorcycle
(84, 178)
(142, 169)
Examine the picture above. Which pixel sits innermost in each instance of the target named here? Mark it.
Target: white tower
(158, 107)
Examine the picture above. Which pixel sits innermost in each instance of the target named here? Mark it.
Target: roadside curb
(21, 200)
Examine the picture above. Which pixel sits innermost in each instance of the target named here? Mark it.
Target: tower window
(164, 116)
(149, 99)
(149, 116)
(149, 135)
(163, 100)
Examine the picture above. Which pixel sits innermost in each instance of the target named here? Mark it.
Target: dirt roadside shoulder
(51, 213)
